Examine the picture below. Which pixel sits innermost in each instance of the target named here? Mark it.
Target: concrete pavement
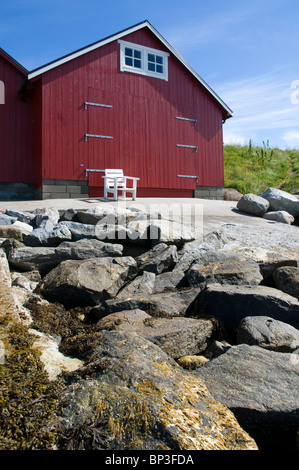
(209, 214)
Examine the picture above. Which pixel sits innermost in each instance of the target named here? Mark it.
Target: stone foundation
(63, 189)
(209, 192)
(16, 191)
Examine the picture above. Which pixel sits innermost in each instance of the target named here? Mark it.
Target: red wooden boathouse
(129, 101)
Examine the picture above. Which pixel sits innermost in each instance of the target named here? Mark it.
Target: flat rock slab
(261, 388)
(232, 303)
(140, 399)
(223, 268)
(44, 259)
(177, 337)
(165, 304)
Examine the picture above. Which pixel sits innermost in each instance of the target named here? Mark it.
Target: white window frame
(144, 62)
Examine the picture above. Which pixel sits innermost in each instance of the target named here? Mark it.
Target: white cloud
(262, 108)
(291, 138)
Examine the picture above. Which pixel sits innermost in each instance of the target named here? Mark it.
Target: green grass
(251, 169)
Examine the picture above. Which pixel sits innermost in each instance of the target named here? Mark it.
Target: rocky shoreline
(148, 336)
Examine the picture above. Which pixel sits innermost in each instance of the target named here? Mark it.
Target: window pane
(137, 54)
(137, 63)
(128, 52)
(159, 69)
(128, 61)
(151, 67)
(159, 59)
(151, 57)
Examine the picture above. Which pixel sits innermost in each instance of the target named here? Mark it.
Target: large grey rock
(159, 259)
(38, 237)
(79, 230)
(252, 204)
(232, 303)
(261, 388)
(87, 282)
(11, 231)
(25, 228)
(279, 216)
(165, 304)
(26, 217)
(264, 244)
(138, 398)
(286, 278)
(106, 215)
(170, 232)
(142, 285)
(268, 333)
(223, 268)
(281, 201)
(6, 219)
(177, 337)
(268, 269)
(171, 280)
(46, 215)
(44, 259)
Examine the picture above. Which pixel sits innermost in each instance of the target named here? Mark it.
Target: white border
(144, 51)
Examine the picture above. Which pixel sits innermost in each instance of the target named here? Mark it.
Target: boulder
(175, 336)
(264, 244)
(87, 282)
(44, 259)
(170, 232)
(26, 217)
(142, 286)
(79, 230)
(286, 278)
(280, 216)
(24, 227)
(113, 233)
(139, 399)
(46, 215)
(268, 333)
(38, 237)
(232, 303)
(106, 215)
(165, 304)
(168, 281)
(48, 235)
(11, 231)
(7, 219)
(261, 389)
(159, 259)
(252, 204)
(70, 215)
(231, 194)
(192, 362)
(223, 268)
(281, 201)
(268, 269)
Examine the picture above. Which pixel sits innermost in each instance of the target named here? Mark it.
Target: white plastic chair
(114, 181)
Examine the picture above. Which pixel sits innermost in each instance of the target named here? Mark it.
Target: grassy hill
(251, 169)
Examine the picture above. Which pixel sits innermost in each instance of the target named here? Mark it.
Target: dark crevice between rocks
(270, 430)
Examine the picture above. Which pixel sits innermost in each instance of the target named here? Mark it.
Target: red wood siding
(15, 126)
(142, 122)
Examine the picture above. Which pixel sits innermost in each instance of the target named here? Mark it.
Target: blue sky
(247, 51)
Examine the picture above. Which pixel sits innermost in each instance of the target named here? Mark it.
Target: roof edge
(13, 61)
(45, 68)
